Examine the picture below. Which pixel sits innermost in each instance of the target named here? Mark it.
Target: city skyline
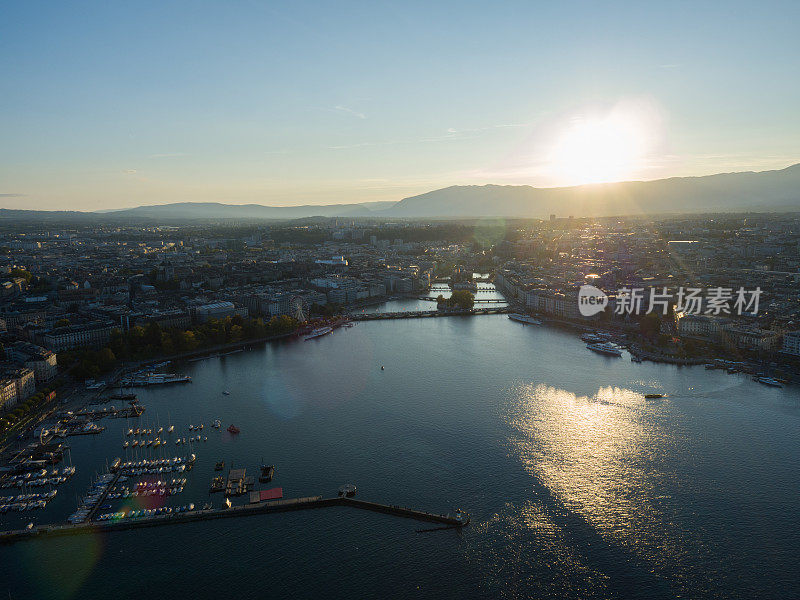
(105, 107)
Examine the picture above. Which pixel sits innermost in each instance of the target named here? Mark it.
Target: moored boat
(526, 319)
(267, 473)
(605, 348)
(319, 332)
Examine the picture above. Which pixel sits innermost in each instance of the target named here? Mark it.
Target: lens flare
(598, 147)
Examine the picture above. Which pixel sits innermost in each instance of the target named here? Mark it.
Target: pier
(423, 314)
(102, 497)
(310, 502)
(132, 411)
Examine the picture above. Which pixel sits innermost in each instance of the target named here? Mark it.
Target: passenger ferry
(595, 337)
(319, 332)
(520, 318)
(605, 348)
(154, 379)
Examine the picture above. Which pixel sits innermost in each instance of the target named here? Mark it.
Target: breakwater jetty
(459, 519)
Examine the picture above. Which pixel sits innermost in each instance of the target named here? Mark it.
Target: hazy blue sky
(112, 104)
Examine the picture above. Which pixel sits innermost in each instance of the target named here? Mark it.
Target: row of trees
(150, 341)
(23, 409)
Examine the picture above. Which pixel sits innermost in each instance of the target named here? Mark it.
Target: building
(94, 335)
(41, 361)
(8, 393)
(168, 320)
(791, 343)
(700, 326)
(24, 381)
(751, 338)
(216, 310)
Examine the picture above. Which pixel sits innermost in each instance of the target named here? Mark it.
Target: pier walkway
(102, 498)
(6, 537)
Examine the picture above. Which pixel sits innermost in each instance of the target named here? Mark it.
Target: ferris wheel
(297, 311)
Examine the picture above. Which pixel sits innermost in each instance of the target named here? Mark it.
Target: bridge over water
(424, 314)
(477, 300)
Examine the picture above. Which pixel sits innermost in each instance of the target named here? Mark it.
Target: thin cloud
(129, 171)
(453, 130)
(451, 134)
(349, 111)
(12, 195)
(167, 155)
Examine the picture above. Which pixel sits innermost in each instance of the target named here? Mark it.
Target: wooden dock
(309, 502)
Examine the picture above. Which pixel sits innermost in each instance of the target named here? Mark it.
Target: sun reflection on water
(596, 456)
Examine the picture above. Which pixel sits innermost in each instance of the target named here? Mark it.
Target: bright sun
(599, 149)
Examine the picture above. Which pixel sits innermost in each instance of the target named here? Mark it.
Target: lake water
(578, 487)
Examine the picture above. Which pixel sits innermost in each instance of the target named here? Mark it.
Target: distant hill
(727, 192)
(766, 191)
(216, 210)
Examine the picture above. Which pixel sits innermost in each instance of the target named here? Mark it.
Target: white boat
(145, 379)
(770, 381)
(319, 332)
(605, 348)
(520, 318)
(226, 393)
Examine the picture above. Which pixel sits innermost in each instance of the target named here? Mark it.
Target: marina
(313, 413)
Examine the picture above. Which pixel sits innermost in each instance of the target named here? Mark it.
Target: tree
(106, 359)
(26, 275)
(650, 325)
(463, 299)
(152, 334)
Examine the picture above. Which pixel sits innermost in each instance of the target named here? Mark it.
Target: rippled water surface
(578, 486)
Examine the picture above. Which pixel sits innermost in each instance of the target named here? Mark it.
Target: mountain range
(765, 191)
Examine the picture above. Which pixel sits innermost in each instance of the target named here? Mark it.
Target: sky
(116, 104)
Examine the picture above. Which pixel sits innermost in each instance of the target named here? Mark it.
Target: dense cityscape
(76, 298)
(497, 301)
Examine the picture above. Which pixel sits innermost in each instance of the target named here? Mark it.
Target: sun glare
(600, 149)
